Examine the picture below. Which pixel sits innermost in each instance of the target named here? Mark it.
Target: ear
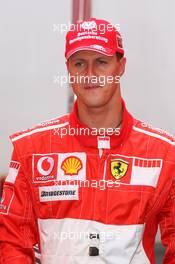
(67, 64)
(122, 65)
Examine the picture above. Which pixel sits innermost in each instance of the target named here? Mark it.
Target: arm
(2, 179)
(166, 220)
(18, 231)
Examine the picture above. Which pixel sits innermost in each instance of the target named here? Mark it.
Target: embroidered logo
(119, 168)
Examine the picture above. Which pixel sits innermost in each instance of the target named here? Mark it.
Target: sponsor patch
(89, 25)
(58, 193)
(119, 168)
(44, 167)
(132, 170)
(6, 200)
(72, 166)
(146, 171)
(103, 142)
(13, 171)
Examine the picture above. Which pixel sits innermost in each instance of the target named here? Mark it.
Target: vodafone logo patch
(45, 162)
(44, 167)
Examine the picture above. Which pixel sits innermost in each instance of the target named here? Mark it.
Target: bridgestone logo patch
(56, 193)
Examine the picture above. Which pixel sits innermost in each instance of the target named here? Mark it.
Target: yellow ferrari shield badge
(119, 168)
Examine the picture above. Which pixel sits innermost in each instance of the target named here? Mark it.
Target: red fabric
(90, 140)
(136, 200)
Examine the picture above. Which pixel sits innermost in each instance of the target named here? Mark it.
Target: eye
(79, 64)
(101, 61)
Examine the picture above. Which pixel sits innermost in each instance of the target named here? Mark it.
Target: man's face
(95, 77)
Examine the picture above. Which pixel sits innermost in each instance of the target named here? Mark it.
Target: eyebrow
(83, 59)
(75, 58)
(102, 58)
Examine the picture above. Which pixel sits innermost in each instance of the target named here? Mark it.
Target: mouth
(92, 87)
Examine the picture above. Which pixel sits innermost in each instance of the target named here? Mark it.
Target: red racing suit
(86, 197)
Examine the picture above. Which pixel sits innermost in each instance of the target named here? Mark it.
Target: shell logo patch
(71, 165)
(119, 168)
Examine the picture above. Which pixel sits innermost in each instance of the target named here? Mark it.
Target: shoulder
(158, 134)
(40, 129)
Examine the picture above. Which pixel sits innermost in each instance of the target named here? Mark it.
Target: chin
(95, 103)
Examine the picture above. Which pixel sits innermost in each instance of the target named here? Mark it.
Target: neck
(105, 116)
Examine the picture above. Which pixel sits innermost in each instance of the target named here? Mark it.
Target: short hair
(119, 55)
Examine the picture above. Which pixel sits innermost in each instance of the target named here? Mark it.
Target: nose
(90, 70)
(90, 73)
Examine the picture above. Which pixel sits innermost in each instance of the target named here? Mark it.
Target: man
(91, 186)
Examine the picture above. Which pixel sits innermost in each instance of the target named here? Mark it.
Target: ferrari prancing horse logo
(119, 168)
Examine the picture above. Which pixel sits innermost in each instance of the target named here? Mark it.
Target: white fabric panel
(56, 193)
(67, 241)
(145, 176)
(12, 174)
